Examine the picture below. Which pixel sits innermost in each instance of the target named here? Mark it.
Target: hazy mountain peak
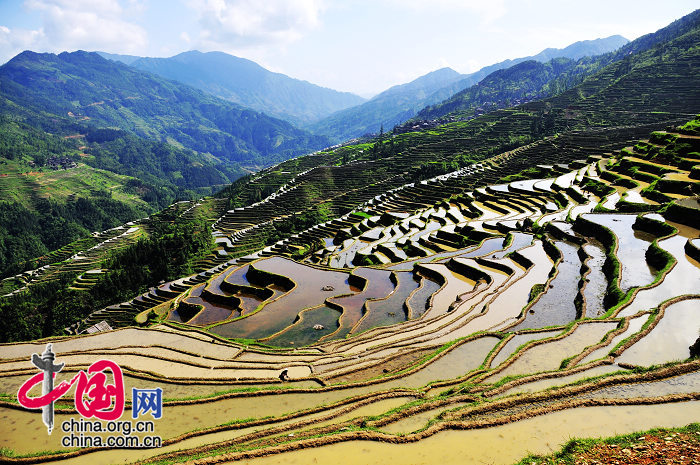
(247, 83)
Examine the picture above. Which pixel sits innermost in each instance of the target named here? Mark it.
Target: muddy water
(120, 352)
(467, 309)
(162, 429)
(379, 285)
(548, 356)
(455, 285)
(180, 419)
(556, 306)
(632, 245)
(670, 338)
(596, 282)
(419, 300)
(192, 343)
(458, 362)
(373, 409)
(684, 278)
(635, 325)
(417, 421)
(303, 331)
(395, 303)
(510, 303)
(277, 315)
(563, 380)
(518, 241)
(10, 385)
(677, 385)
(498, 445)
(128, 456)
(174, 369)
(518, 340)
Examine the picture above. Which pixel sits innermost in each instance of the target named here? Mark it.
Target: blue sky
(362, 46)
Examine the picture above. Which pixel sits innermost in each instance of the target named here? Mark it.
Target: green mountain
(654, 85)
(402, 102)
(61, 180)
(250, 85)
(523, 82)
(87, 144)
(389, 108)
(126, 59)
(87, 87)
(528, 81)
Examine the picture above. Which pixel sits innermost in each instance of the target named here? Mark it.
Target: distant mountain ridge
(501, 90)
(88, 87)
(403, 102)
(248, 84)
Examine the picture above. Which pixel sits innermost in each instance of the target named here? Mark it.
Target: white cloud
(14, 41)
(78, 24)
(249, 24)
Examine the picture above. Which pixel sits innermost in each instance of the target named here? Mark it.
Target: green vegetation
(88, 87)
(27, 234)
(573, 451)
(45, 309)
(250, 85)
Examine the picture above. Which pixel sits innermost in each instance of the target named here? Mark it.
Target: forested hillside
(524, 82)
(87, 87)
(250, 85)
(402, 102)
(87, 144)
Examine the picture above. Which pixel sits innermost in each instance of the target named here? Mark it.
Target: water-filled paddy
(277, 315)
(632, 246)
(595, 280)
(548, 356)
(670, 338)
(379, 310)
(561, 380)
(518, 340)
(420, 298)
(556, 305)
(379, 285)
(313, 324)
(684, 277)
(502, 444)
(635, 324)
(417, 421)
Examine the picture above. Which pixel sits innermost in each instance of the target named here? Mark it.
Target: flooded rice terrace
(492, 323)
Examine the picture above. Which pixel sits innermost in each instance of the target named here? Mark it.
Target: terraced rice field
(439, 321)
